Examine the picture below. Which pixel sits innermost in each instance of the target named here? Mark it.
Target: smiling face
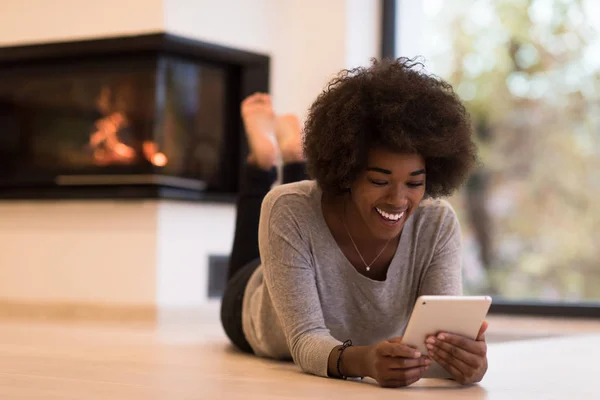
(388, 192)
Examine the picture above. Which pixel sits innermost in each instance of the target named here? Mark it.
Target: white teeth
(393, 217)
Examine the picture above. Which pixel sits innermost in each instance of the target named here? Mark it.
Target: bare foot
(259, 124)
(289, 137)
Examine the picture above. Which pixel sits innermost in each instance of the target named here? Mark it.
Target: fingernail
(429, 346)
(430, 340)
(427, 361)
(441, 337)
(417, 354)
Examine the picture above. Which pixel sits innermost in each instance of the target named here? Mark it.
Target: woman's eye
(378, 183)
(415, 184)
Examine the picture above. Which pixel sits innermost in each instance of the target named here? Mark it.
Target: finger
(448, 366)
(454, 351)
(407, 375)
(458, 368)
(394, 383)
(417, 377)
(396, 340)
(399, 340)
(470, 345)
(451, 359)
(391, 349)
(482, 330)
(405, 363)
(410, 382)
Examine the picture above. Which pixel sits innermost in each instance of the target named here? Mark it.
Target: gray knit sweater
(306, 297)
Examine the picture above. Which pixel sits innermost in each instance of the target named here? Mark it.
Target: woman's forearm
(353, 363)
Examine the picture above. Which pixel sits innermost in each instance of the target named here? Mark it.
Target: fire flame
(105, 142)
(152, 154)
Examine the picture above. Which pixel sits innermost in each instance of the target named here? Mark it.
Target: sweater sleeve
(290, 279)
(443, 275)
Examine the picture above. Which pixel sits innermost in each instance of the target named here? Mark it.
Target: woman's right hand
(393, 364)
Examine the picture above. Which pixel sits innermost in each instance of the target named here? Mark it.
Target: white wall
(34, 21)
(187, 235)
(363, 31)
(242, 24)
(309, 41)
(95, 252)
(309, 49)
(144, 252)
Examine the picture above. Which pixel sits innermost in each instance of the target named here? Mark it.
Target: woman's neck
(344, 220)
(336, 210)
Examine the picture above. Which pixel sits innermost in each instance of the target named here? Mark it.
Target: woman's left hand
(465, 359)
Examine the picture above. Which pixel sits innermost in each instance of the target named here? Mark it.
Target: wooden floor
(189, 358)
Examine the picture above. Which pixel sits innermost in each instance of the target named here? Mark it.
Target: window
(529, 72)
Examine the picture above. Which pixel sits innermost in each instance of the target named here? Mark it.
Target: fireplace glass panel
(118, 116)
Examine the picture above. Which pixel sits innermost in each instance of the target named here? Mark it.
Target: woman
(326, 271)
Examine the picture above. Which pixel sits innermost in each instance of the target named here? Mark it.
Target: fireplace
(152, 116)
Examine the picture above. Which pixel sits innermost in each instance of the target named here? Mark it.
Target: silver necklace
(367, 266)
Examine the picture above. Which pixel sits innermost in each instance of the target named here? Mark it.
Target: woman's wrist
(353, 362)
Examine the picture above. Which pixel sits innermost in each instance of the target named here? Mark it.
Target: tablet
(461, 315)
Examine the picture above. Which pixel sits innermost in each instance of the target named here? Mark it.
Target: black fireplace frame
(249, 71)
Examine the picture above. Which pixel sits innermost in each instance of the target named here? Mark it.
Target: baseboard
(65, 311)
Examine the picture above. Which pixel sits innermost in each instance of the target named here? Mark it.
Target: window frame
(500, 305)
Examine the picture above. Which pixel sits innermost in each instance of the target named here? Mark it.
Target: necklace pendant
(368, 268)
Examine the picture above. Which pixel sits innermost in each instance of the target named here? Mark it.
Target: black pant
(245, 256)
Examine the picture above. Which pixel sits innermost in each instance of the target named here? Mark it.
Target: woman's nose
(397, 197)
